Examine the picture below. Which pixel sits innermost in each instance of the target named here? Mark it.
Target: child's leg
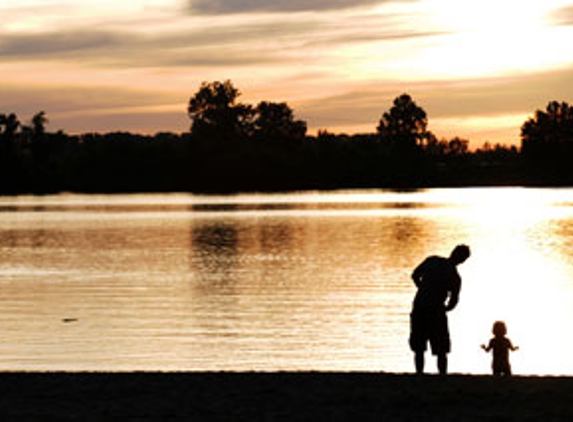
(507, 370)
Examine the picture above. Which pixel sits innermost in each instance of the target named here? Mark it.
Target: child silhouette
(501, 346)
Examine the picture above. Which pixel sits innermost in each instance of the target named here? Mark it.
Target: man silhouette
(438, 284)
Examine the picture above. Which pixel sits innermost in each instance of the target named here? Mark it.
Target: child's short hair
(499, 329)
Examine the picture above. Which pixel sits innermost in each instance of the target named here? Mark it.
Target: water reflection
(215, 245)
(278, 282)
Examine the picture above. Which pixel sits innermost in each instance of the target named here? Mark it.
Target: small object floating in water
(68, 320)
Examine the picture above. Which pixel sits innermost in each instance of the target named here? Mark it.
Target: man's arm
(454, 293)
(452, 302)
(418, 273)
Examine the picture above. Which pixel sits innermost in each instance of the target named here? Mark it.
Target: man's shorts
(429, 325)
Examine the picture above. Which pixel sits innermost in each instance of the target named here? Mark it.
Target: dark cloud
(214, 7)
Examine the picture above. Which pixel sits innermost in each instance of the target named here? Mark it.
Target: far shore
(288, 396)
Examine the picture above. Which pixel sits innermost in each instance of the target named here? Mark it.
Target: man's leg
(441, 342)
(443, 363)
(419, 362)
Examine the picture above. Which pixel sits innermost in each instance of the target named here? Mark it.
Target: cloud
(61, 42)
(137, 121)
(501, 95)
(62, 99)
(363, 106)
(215, 7)
(105, 108)
(248, 42)
(563, 16)
(122, 49)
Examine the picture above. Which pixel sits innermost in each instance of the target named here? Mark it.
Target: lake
(267, 282)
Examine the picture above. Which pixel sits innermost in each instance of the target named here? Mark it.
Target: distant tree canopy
(276, 122)
(547, 143)
(404, 125)
(215, 113)
(9, 124)
(550, 128)
(39, 122)
(234, 147)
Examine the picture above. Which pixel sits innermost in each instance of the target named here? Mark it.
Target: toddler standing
(500, 345)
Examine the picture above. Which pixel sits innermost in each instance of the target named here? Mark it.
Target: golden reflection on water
(521, 272)
(279, 282)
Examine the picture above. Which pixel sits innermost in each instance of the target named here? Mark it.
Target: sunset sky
(479, 68)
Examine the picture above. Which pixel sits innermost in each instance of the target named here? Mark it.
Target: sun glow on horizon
(327, 60)
(493, 38)
(513, 275)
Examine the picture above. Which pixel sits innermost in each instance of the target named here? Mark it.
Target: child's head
(499, 329)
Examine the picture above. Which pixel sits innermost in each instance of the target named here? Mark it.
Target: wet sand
(282, 396)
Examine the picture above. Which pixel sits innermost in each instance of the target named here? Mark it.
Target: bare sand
(288, 396)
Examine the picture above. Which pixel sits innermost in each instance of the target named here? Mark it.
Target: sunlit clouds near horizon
(479, 69)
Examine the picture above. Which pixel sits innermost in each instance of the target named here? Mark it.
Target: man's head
(460, 254)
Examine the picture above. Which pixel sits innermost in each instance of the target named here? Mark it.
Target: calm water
(312, 281)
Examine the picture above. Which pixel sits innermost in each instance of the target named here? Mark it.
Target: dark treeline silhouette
(233, 147)
(547, 145)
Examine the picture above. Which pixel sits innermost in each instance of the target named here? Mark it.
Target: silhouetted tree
(434, 147)
(215, 113)
(552, 127)
(9, 124)
(402, 131)
(39, 122)
(42, 166)
(404, 125)
(235, 147)
(547, 143)
(276, 122)
(457, 147)
(10, 158)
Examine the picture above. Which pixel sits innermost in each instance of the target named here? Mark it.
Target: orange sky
(479, 68)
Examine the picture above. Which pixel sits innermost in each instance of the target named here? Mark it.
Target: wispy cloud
(97, 108)
(563, 16)
(28, 99)
(213, 7)
(460, 99)
(124, 49)
(61, 42)
(279, 40)
(88, 63)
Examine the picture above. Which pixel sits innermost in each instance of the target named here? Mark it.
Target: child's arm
(488, 347)
(512, 347)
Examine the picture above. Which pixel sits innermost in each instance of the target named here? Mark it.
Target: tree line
(232, 146)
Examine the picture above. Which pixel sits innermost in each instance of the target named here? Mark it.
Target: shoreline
(283, 396)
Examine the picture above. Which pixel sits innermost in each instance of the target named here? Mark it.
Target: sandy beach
(283, 396)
